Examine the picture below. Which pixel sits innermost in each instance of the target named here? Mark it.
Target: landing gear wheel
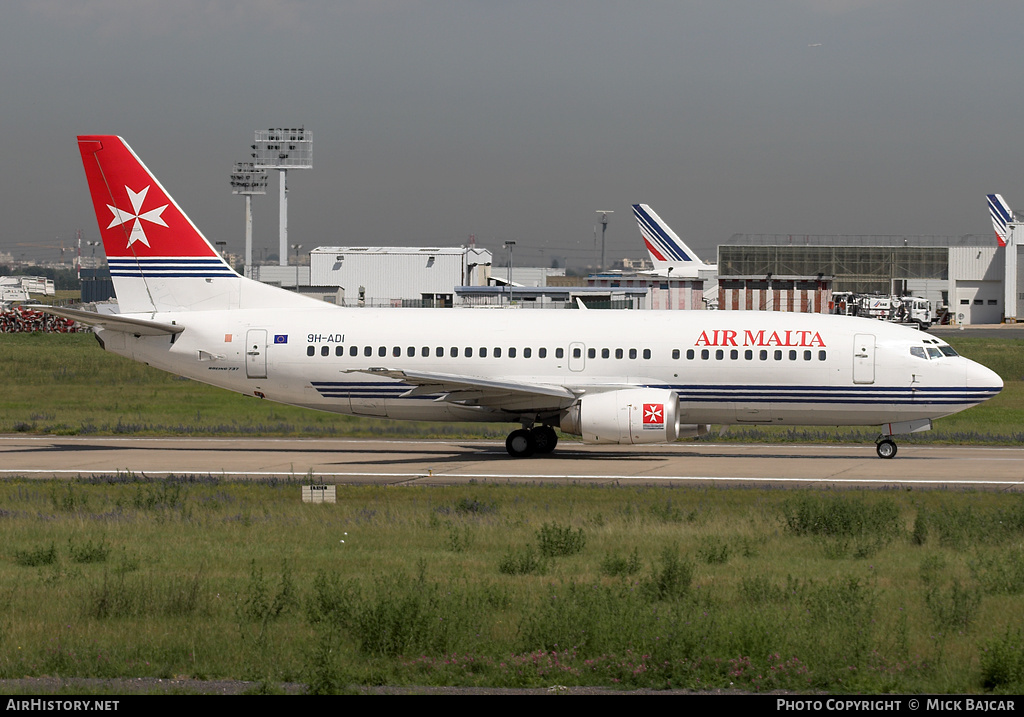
(886, 448)
(544, 439)
(519, 444)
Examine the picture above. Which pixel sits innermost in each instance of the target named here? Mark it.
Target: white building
(399, 276)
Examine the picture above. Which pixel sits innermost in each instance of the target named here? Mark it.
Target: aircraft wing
(473, 391)
(113, 322)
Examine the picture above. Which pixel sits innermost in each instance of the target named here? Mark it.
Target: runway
(419, 462)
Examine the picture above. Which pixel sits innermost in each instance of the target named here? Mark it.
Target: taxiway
(362, 461)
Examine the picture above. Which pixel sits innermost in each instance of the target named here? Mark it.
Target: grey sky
(516, 120)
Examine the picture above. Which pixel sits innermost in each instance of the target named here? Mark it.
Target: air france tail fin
(1001, 215)
(667, 250)
(159, 261)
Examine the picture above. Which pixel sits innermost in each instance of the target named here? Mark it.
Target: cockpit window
(934, 352)
(948, 350)
(919, 352)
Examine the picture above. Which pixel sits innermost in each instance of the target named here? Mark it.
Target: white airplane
(669, 253)
(620, 377)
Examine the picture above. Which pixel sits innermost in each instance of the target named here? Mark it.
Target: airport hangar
(965, 274)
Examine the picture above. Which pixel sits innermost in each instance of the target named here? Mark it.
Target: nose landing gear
(885, 447)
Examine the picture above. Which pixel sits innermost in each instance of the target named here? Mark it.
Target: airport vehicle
(908, 310)
(620, 377)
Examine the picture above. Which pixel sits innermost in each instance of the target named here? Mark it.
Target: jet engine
(633, 415)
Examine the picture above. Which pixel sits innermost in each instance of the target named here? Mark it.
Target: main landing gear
(525, 442)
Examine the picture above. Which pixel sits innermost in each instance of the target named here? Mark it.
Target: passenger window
(497, 352)
(591, 353)
(527, 352)
(542, 353)
(396, 351)
(353, 350)
(618, 353)
(647, 353)
(511, 352)
(632, 353)
(764, 355)
(439, 351)
(325, 350)
(719, 355)
(411, 351)
(483, 352)
(339, 350)
(468, 352)
(792, 355)
(606, 353)
(675, 353)
(689, 354)
(705, 354)
(778, 355)
(821, 355)
(382, 351)
(311, 350)
(807, 355)
(560, 353)
(748, 355)
(577, 353)
(454, 352)
(367, 351)
(734, 354)
(425, 351)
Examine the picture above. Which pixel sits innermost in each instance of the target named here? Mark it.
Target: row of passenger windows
(748, 354)
(559, 353)
(470, 352)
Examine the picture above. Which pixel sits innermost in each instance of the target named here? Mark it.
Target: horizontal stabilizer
(113, 322)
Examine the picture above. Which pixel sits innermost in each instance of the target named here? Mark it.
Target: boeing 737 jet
(620, 377)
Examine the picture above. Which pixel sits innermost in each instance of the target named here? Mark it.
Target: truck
(908, 310)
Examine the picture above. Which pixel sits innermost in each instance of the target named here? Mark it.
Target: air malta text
(728, 337)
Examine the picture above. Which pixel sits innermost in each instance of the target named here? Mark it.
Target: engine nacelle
(633, 415)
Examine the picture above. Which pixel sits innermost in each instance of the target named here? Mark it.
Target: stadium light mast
(604, 227)
(283, 149)
(247, 181)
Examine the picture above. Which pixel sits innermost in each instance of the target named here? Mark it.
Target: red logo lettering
(789, 338)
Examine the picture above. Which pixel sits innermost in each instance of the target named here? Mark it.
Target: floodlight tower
(283, 149)
(247, 181)
(604, 227)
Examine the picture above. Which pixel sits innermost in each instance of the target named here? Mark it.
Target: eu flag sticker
(280, 338)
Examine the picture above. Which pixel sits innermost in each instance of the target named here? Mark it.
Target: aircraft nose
(979, 376)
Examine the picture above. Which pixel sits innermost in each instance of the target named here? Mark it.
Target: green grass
(907, 592)
(66, 384)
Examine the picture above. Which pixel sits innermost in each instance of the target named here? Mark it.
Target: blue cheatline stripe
(849, 395)
(659, 236)
(169, 267)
